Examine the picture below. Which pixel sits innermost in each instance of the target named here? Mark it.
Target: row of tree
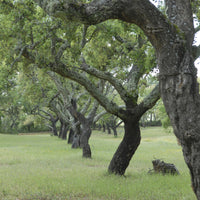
(112, 60)
(113, 65)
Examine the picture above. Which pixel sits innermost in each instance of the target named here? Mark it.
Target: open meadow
(42, 167)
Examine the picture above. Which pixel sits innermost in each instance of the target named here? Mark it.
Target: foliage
(116, 49)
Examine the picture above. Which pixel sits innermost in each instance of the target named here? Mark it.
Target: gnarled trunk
(127, 147)
(180, 94)
(84, 140)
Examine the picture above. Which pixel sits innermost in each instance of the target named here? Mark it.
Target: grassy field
(42, 167)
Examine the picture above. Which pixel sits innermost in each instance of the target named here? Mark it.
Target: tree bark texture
(84, 140)
(85, 128)
(127, 147)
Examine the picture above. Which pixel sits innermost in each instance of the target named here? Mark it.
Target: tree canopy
(62, 36)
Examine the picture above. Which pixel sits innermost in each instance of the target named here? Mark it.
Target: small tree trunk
(99, 127)
(54, 129)
(61, 129)
(104, 128)
(127, 147)
(84, 141)
(108, 128)
(71, 136)
(114, 130)
(64, 132)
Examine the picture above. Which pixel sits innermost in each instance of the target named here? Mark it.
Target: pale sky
(197, 62)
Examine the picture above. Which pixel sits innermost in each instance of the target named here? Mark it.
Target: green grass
(41, 167)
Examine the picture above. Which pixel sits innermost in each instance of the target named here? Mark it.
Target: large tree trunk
(127, 147)
(180, 94)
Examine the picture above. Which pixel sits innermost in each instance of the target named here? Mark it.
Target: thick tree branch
(132, 11)
(112, 80)
(149, 101)
(88, 13)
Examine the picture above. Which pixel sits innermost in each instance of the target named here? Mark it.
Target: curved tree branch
(149, 101)
(108, 77)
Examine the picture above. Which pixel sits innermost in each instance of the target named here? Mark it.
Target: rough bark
(84, 140)
(127, 147)
(86, 124)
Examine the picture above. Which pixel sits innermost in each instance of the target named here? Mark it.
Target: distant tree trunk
(114, 130)
(104, 128)
(76, 137)
(76, 141)
(113, 124)
(108, 128)
(54, 129)
(94, 125)
(84, 141)
(99, 127)
(86, 124)
(127, 147)
(63, 130)
(71, 136)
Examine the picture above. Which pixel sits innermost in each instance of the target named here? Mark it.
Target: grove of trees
(109, 47)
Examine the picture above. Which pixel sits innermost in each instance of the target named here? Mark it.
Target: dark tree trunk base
(87, 151)
(126, 149)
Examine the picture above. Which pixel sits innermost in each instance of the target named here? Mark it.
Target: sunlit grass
(41, 167)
